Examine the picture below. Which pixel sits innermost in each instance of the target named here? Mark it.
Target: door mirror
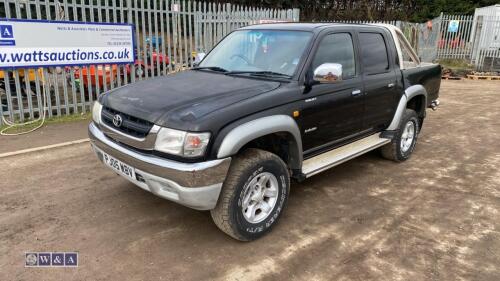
(328, 73)
(198, 58)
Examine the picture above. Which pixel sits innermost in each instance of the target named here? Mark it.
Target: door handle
(390, 85)
(356, 92)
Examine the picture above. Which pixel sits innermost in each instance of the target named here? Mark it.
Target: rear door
(379, 79)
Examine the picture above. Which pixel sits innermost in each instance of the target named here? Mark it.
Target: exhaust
(434, 104)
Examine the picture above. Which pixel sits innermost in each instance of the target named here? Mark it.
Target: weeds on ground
(48, 121)
(456, 64)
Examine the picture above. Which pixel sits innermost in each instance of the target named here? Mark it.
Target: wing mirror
(328, 73)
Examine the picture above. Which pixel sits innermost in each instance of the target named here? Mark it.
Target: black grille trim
(131, 125)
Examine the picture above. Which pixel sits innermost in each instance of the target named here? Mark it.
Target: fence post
(296, 15)
(439, 32)
(476, 44)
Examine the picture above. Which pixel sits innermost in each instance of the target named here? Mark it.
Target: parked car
(144, 65)
(268, 104)
(87, 75)
(109, 73)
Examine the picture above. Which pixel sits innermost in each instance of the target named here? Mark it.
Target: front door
(333, 112)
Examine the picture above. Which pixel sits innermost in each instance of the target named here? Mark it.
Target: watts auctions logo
(7, 35)
(55, 259)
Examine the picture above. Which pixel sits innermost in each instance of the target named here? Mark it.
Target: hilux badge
(117, 120)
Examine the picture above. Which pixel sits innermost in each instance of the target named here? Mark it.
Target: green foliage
(456, 63)
(405, 10)
(431, 9)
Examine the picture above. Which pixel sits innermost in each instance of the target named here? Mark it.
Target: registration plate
(118, 166)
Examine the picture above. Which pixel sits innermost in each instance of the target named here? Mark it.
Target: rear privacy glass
(373, 53)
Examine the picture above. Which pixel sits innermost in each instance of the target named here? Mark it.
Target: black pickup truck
(268, 104)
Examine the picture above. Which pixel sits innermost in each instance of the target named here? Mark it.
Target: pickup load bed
(269, 103)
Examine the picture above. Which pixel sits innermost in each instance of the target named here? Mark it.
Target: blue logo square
(31, 259)
(57, 259)
(7, 42)
(71, 259)
(6, 31)
(44, 259)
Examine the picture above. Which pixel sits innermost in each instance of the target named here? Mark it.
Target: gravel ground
(434, 217)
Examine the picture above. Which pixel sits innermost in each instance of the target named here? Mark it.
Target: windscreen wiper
(213, 68)
(260, 73)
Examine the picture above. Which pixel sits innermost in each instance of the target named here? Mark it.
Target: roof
(489, 7)
(299, 26)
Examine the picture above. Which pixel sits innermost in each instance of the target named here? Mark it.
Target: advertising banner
(36, 43)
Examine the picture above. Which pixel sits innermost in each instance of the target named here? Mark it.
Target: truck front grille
(130, 125)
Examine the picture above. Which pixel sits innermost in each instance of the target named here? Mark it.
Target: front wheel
(405, 139)
(253, 196)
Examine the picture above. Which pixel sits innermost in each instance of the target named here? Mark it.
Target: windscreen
(259, 50)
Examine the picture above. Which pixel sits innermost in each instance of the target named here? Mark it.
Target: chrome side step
(332, 158)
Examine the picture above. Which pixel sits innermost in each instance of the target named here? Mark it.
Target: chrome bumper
(195, 185)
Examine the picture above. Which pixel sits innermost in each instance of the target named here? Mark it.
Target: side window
(337, 48)
(373, 53)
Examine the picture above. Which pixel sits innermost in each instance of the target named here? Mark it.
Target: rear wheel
(405, 139)
(253, 196)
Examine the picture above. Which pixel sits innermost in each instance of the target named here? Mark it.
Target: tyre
(405, 139)
(253, 196)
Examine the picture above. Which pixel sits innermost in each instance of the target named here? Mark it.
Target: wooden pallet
(482, 77)
(451, 78)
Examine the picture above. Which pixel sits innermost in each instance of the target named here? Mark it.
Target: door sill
(310, 153)
(332, 158)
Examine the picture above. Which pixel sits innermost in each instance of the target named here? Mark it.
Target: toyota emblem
(117, 120)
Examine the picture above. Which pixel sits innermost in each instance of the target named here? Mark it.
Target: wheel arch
(414, 96)
(417, 103)
(247, 134)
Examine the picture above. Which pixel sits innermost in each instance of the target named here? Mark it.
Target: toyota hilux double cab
(269, 103)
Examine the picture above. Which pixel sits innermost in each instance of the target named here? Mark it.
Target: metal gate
(455, 42)
(167, 33)
(486, 43)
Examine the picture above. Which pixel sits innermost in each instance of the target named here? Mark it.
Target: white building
(486, 37)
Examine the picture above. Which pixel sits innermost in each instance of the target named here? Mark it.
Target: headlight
(181, 143)
(96, 112)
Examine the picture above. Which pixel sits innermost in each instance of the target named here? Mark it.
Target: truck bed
(428, 75)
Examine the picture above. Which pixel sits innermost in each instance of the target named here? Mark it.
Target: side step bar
(332, 158)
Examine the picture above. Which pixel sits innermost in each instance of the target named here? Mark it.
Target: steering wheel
(245, 59)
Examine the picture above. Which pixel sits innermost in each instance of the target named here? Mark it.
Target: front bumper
(195, 185)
